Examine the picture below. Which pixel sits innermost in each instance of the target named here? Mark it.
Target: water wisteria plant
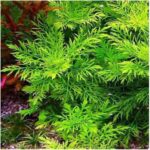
(87, 73)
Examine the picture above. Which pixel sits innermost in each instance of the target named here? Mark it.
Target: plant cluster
(19, 132)
(87, 73)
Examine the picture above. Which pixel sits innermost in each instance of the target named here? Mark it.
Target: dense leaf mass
(92, 59)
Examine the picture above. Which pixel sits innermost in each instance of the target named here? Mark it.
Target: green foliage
(52, 144)
(86, 128)
(73, 14)
(10, 135)
(77, 122)
(92, 60)
(131, 16)
(12, 129)
(50, 59)
(32, 139)
(110, 136)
